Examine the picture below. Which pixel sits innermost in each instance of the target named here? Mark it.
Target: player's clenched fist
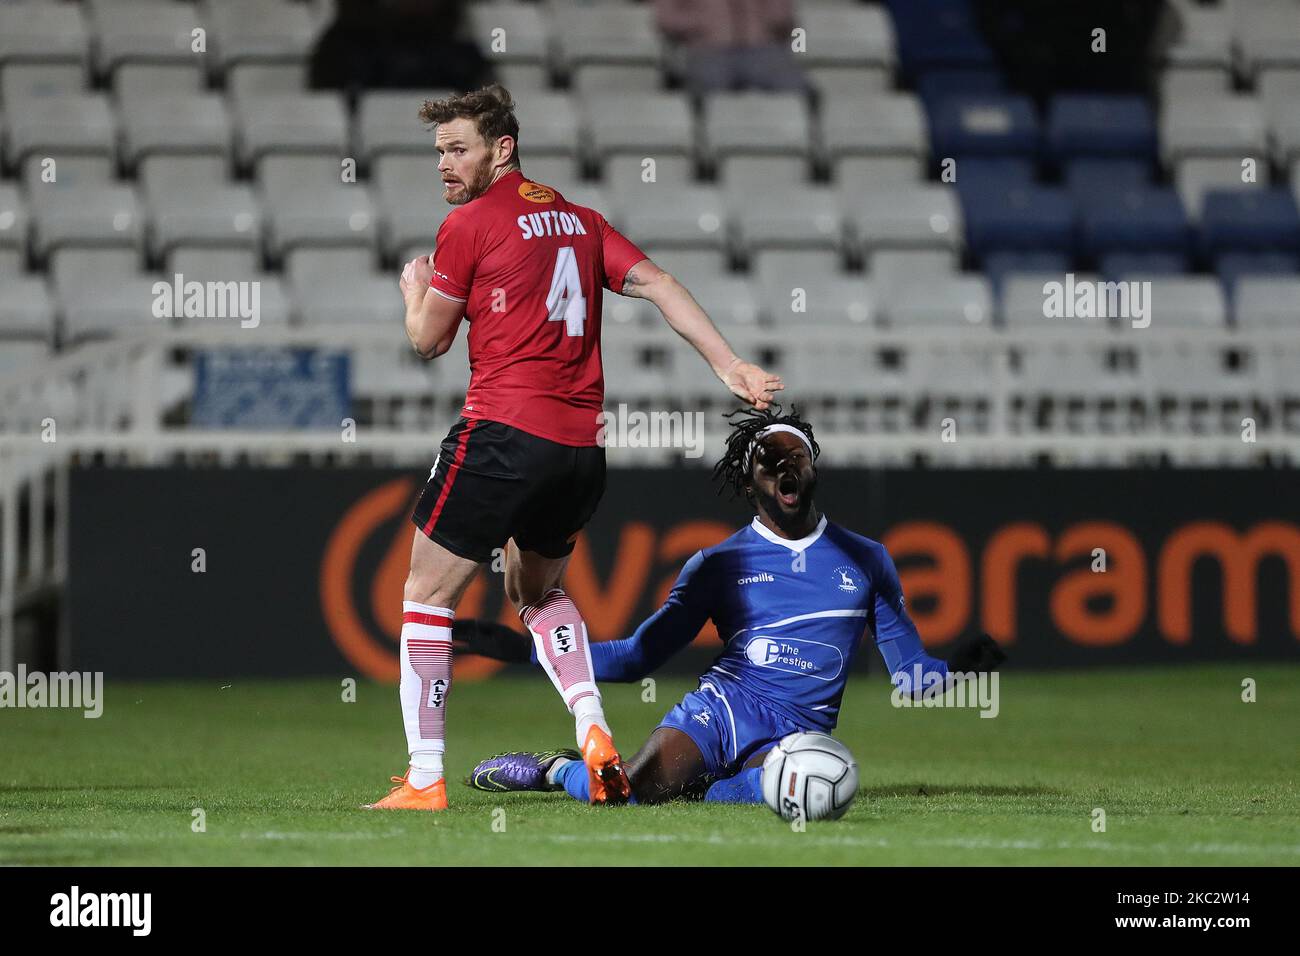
(752, 384)
(416, 275)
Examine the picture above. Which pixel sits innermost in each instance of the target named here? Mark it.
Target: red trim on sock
(419, 617)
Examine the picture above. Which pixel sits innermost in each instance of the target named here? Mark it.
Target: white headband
(771, 429)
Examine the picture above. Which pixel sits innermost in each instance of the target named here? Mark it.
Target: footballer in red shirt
(521, 469)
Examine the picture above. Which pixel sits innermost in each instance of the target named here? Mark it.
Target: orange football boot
(607, 780)
(406, 797)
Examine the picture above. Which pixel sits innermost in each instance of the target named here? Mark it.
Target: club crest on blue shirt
(847, 579)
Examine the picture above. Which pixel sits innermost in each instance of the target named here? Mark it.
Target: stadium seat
(1100, 125)
(1190, 83)
(315, 122)
(854, 173)
(15, 224)
(1095, 181)
(1284, 127)
(1266, 33)
(743, 177)
(1262, 220)
(102, 291)
(844, 35)
(549, 124)
(756, 123)
(1068, 384)
(1203, 36)
(26, 81)
(13, 261)
(510, 32)
(408, 192)
(247, 80)
(216, 212)
(652, 124)
(844, 302)
(938, 84)
(692, 266)
(598, 79)
(138, 80)
(1196, 175)
(523, 77)
(938, 34)
(729, 301)
(796, 216)
(258, 30)
(629, 171)
(1232, 267)
(306, 266)
(561, 172)
(1267, 302)
(681, 216)
(389, 121)
(98, 214)
(1023, 303)
(890, 124)
(790, 268)
(162, 172)
(892, 270)
(142, 30)
(44, 173)
(174, 124)
(20, 357)
(305, 202)
(54, 125)
(1002, 266)
(43, 33)
(1186, 302)
(963, 301)
(834, 83)
(208, 263)
(1135, 220)
(1001, 173)
(1230, 125)
(26, 310)
(370, 297)
(623, 33)
(1022, 218)
(893, 216)
(991, 124)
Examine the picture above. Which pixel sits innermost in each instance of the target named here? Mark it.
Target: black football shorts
(492, 482)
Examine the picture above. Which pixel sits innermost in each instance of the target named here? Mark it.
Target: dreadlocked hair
(732, 469)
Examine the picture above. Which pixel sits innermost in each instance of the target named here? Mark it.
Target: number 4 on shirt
(565, 300)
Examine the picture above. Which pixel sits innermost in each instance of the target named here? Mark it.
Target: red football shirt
(530, 267)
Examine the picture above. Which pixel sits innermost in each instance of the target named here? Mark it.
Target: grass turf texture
(1186, 772)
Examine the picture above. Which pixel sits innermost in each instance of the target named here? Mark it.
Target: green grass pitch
(1185, 771)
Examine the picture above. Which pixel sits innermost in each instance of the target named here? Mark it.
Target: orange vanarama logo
(536, 192)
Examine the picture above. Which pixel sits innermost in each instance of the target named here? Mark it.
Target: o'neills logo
(536, 192)
(362, 573)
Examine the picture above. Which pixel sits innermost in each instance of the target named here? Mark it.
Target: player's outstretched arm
(431, 318)
(747, 381)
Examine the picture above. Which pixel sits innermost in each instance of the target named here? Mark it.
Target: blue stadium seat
(1257, 220)
(999, 265)
(989, 124)
(1019, 217)
(937, 34)
(983, 174)
(1092, 180)
(1121, 265)
(1100, 125)
(1136, 219)
(937, 85)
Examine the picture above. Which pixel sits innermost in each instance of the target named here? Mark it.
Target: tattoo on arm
(630, 281)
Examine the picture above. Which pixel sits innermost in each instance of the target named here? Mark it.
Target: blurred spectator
(397, 44)
(733, 44)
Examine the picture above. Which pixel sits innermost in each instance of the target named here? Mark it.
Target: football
(810, 776)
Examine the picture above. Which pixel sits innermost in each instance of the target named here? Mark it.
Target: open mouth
(787, 490)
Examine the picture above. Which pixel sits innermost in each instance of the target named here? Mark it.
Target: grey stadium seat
(79, 123)
(602, 78)
(743, 177)
(389, 121)
(838, 301)
(1266, 33)
(1184, 302)
(892, 269)
(104, 215)
(408, 191)
(206, 263)
(354, 299)
(102, 291)
(306, 266)
(136, 80)
(689, 266)
(790, 268)
(161, 172)
(69, 172)
(628, 171)
(258, 30)
(756, 123)
(304, 204)
(1203, 36)
(622, 33)
(13, 260)
(1177, 84)
(846, 35)
(521, 78)
(25, 81)
(143, 30)
(855, 173)
(1267, 302)
(245, 80)
(174, 124)
(850, 82)
(1285, 128)
(19, 357)
(43, 32)
(558, 171)
(894, 216)
(678, 216)
(651, 124)
(892, 124)
(15, 223)
(509, 32)
(1220, 126)
(1024, 302)
(306, 121)
(792, 216)
(961, 301)
(218, 213)
(548, 124)
(26, 310)
(728, 300)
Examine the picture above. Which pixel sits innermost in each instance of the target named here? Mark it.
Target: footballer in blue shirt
(791, 595)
